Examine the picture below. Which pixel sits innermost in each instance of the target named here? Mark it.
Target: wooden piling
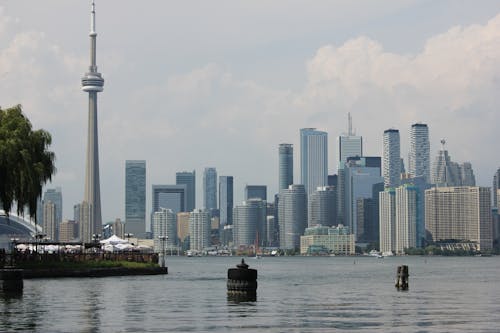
(242, 283)
(402, 275)
(12, 280)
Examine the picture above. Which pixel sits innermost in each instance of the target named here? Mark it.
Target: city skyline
(210, 102)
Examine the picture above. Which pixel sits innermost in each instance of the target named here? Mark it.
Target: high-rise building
(210, 189)
(183, 226)
(188, 179)
(321, 207)
(313, 158)
(164, 225)
(67, 231)
(349, 145)
(76, 212)
(446, 173)
(49, 220)
(256, 192)
(407, 197)
(336, 240)
(285, 165)
(54, 195)
(419, 158)
(92, 82)
(226, 203)
(199, 229)
(169, 196)
(119, 228)
(135, 197)
(391, 166)
(271, 228)
(459, 213)
(387, 220)
(360, 175)
(249, 222)
(292, 216)
(86, 224)
(496, 187)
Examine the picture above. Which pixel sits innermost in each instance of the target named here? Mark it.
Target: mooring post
(242, 283)
(402, 274)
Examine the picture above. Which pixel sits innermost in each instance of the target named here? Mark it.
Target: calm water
(295, 294)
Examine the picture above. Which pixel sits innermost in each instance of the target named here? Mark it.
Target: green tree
(26, 164)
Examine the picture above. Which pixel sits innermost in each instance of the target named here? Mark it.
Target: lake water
(295, 294)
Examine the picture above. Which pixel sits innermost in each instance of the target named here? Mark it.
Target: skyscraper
(313, 158)
(349, 145)
(54, 195)
(419, 158)
(391, 166)
(496, 187)
(226, 200)
(164, 224)
(387, 220)
(256, 191)
(321, 207)
(189, 179)
(292, 216)
(169, 196)
(249, 222)
(407, 212)
(92, 82)
(135, 197)
(448, 173)
(49, 220)
(210, 189)
(285, 165)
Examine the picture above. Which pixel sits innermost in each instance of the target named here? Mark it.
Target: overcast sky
(192, 84)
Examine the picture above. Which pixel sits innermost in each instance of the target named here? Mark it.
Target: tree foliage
(26, 164)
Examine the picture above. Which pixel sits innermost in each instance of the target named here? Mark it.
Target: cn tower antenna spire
(92, 19)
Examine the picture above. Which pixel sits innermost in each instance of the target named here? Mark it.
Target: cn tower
(92, 82)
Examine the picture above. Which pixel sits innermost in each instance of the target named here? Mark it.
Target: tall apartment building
(313, 158)
(496, 187)
(419, 162)
(292, 216)
(199, 229)
(68, 231)
(54, 195)
(391, 162)
(387, 220)
(164, 225)
(135, 197)
(256, 192)
(183, 226)
(49, 220)
(188, 179)
(459, 213)
(285, 165)
(407, 197)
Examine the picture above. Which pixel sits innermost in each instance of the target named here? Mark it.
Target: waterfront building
(421, 185)
(92, 83)
(249, 222)
(135, 197)
(169, 196)
(407, 197)
(387, 220)
(334, 240)
(199, 229)
(210, 189)
(256, 192)
(188, 179)
(292, 216)
(322, 207)
(271, 231)
(313, 158)
(68, 231)
(450, 174)
(459, 213)
(285, 165)
(49, 220)
(164, 225)
(226, 202)
(183, 226)
(391, 166)
(419, 161)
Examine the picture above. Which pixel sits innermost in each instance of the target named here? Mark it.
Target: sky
(195, 84)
